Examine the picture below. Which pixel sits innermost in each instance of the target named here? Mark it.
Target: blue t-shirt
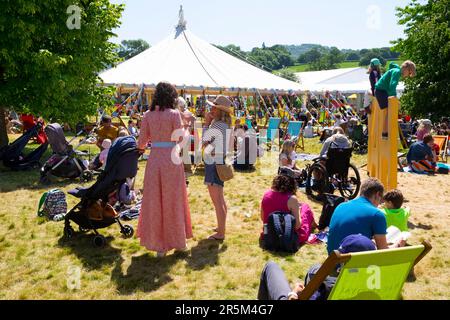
(419, 151)
(358, 216)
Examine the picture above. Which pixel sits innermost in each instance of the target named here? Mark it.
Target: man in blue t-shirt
(361, 216)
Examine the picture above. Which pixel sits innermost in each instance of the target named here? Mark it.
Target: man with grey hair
(361, 216)
(338, 140)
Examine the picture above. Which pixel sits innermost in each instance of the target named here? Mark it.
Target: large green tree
(130, 48)
(427, 43)
(51, 52)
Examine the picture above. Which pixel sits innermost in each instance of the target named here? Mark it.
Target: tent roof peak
(181, 26)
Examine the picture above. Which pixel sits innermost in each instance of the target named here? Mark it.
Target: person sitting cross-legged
(421, 157)
(274, 285)
(282, 197)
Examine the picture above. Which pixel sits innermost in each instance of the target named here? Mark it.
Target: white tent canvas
(346, 80)
(185, 60)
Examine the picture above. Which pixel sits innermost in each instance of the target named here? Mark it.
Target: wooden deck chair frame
(401, 155)
(337, 258)
(403, 140)
(300, 143)
(442, 147)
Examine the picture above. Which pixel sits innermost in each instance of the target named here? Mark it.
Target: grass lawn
(37, 263)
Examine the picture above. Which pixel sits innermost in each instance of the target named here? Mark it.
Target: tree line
(316, 56)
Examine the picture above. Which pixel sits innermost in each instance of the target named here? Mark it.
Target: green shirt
(397, 218)
(389, 80)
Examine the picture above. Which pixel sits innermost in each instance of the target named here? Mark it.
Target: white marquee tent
(189, 62)
(347, 80)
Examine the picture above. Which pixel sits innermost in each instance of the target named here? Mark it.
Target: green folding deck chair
(272, 129)
(248, 122)
(371, 275)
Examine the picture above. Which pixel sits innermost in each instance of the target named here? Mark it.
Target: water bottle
(265, 228)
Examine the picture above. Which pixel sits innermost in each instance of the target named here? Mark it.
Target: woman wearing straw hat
(215, 142)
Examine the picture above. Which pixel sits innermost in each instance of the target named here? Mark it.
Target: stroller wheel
(83, 230)
(45, 180)
(87, 176)
(99, 241)
(127, 231)
(69, 232)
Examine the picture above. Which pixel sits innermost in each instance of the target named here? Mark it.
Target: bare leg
(218, 200)
(385, 123)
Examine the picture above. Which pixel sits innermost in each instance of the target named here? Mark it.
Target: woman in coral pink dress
(164, 220)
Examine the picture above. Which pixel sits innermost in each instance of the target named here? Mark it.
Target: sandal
(215, 238)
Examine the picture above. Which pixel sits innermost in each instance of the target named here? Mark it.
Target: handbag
(225, 172)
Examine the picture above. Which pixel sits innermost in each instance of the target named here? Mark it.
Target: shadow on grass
(206, 253)
(29, 179)
(146, 273)
(280, 254)
(91, 257)
(413, 226)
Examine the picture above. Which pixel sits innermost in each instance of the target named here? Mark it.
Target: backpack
(281, 235)
(53, 205)
(330, 204)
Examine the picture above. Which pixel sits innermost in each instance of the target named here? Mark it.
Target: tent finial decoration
(181, 22)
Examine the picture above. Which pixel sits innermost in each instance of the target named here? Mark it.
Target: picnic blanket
(132, 213)
(321, 237)
(306, 157)
(438, 165)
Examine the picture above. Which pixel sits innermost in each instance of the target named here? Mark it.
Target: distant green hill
(346, 64)
(297, 50)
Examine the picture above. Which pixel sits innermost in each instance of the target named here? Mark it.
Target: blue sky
(353, 24)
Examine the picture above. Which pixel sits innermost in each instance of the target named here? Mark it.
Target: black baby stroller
(13, 155)
(122, 163)
(65, 161)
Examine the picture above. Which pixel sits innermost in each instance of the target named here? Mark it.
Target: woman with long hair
(218, 123)
(164, 220)
(282, 197)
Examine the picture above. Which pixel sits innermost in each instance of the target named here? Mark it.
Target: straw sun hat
(222, 103)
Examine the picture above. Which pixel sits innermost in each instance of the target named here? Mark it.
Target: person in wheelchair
(338, 140)
(331, 169)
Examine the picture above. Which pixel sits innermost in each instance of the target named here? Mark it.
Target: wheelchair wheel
(349, 186)
(316, 181)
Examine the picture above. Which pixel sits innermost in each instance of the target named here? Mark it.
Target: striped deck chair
(272, 130)
(442, 142)
(370, 275)
(248, 122)
(294, 131)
